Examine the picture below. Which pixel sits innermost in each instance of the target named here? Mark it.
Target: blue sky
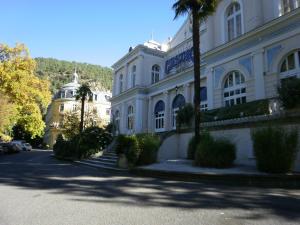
(93, 31)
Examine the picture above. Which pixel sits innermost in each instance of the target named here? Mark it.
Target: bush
(91, 141)
(219, 153)
(185, 115)
(129, 146)
(62, 148)
(275, 149)
(193, 143)
(260, 107)
(149, 145)
(289, 93)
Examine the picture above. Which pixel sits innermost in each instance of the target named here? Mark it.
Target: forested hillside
(59, 72)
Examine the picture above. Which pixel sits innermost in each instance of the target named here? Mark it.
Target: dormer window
(234, 21)
(155, 74)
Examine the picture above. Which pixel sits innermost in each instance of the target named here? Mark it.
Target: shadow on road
(37, 170)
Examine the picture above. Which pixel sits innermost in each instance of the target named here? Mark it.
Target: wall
(176, 145)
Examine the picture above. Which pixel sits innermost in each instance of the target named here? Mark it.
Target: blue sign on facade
(183, 58)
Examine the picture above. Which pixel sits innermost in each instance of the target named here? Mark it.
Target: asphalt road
(36, 189)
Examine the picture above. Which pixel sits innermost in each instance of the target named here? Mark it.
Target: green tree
(199, 11)
(83, 93)
(71, 125)
(23, 88)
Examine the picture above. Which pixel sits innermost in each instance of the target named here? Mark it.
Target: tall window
(178, 103)
(234, 21)
(130, 118)
(117, 121)
(290, 66)
(133, 76)
(203, 97)
(159, 113)
(234, 89)
(289, 5)
(121, 83)
(155, 74)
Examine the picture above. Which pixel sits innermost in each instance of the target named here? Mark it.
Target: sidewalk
(181, 169)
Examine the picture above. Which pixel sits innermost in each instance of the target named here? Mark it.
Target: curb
(272, 180)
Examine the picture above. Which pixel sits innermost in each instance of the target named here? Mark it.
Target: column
(210, 89)
(126, 78)
(139, 70)
(114, 91)
(167, 111)
(123, 122)
(187, 92)
(138, 120)
(259, 81)
(150, 114)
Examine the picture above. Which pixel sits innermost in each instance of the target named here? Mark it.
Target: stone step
(101, 166)
(109, 157)
(103, 159)
(108, 163)
(110, 154)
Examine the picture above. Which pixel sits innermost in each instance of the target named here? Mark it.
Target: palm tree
(199, 11)
(83, 93)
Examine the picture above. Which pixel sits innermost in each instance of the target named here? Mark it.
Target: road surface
(36, 189)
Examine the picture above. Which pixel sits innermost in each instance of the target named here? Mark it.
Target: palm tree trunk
(196, 49)
(82, 115)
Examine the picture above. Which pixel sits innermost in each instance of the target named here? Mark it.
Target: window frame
(159, 117)
(233, 17)
(155, 74)
(130, 118)
(235, 93)
(288, 73)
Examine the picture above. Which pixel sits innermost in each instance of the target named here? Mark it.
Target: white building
(247, 46)
(64, 102)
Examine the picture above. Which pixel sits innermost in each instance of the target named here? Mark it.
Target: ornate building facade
(248, 47)
(64, 102)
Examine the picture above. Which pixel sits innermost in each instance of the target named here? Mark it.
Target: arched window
(130, 118)
(234, 21)
(234, 89)
(155, 74)
(117, 121)
(289, 5)
(290, 66)
(159, 113)
(133, 76)
(121, 84)
(178, 103)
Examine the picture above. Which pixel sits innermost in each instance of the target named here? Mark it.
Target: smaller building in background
(98, 108)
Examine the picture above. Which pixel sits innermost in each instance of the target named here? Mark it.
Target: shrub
(193, 143)
(89, 142)
(133, 150)
(219, 153)
(185, 115)
(149, 145)
(275, 149)
(62, 148)
(260, 107)
(289, 93)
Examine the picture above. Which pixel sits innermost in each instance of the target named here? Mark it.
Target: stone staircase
(108, 160)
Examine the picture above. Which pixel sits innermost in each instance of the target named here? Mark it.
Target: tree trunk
(82, 115)
(196, 50)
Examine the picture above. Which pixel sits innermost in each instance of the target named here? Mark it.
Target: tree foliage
(59, 72)
(29, 94)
